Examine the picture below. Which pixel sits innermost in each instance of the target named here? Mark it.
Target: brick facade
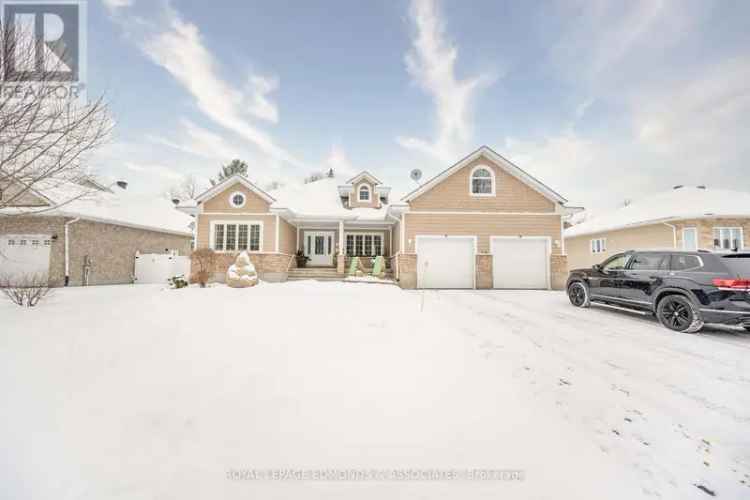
(407, 270)
(269, 266)
(558, 271)
(110, 249)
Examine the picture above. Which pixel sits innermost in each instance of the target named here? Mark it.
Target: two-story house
(481, 223)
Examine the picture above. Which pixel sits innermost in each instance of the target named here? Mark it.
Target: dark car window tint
(647, 262)
(738, 263)
(685, 263)
(616, 263)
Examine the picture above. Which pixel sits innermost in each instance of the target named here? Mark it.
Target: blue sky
(602, 100)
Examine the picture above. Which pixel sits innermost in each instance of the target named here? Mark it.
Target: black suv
(683, 289)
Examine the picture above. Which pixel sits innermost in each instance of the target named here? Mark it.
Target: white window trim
(603, 245)
(372, 242)
(212, 234)
(728, 228)
(359, 193)
(231, 199)
(492, 178)
(695, 231)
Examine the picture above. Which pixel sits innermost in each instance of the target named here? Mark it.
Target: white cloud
(338, 160)
(431, 62)
(154, 169)
(177, 46)
(198, 141)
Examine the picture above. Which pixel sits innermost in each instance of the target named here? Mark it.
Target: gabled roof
(500, 161)
(362, 175)
(221, 186)
(675, 204)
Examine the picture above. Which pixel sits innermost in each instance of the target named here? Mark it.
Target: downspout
(674, 234)
(67, 249)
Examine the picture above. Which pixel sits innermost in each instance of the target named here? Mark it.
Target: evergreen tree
(233, 167)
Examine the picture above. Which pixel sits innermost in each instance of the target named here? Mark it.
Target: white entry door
(520, 262)
(319, 247)
(445, 261)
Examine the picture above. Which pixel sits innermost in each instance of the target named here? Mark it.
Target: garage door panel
(445, 262)
(520, 262)
(24, 254)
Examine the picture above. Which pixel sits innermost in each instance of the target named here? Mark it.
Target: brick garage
(110, 248)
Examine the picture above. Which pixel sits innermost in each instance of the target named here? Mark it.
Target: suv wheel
(578, 293)
(677, 313)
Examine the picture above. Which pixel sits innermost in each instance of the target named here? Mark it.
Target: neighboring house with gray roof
(684, 217)
(91, 240)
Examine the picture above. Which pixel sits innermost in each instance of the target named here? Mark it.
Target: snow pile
(681, 203)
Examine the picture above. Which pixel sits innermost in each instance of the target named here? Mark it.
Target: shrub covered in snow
(204, 260)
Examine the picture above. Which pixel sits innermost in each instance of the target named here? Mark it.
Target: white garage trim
(443, 237)
(548, 241)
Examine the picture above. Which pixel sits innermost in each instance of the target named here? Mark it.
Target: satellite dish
(415, 175)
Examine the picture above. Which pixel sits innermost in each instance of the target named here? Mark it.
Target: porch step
(321, 274)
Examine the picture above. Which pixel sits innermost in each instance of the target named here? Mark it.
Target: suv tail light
(739, 284)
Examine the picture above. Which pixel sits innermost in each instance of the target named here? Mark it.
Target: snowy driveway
(138, 392)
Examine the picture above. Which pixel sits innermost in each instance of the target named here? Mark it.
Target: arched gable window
(482, 181)
(364, 193)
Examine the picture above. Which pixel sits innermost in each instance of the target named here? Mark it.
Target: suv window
(685, 263)
(648, 262)
(616, 263)
(738, 263)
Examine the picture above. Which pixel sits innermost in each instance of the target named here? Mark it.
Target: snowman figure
(242, 273)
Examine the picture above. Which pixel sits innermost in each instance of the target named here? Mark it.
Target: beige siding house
(481, 223)
(92, 240)
(687, 218)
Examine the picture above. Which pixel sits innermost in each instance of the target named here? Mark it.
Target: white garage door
(520, 262)
(22, 254)
(445, 262)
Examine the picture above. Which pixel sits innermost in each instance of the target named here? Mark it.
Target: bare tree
(47, 132)
(187, 189)
(25, 290)
(313, 177)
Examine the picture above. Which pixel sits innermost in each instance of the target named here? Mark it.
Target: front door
(319, 247)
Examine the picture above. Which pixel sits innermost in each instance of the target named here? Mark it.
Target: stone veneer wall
(407, 270)
(559, 271)
(483, 271)
(270, 266)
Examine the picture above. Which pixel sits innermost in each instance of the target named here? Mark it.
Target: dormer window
(482, 182)
(364, 193)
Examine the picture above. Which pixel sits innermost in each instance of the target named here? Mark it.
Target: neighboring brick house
(92, 240)
(684, 217)
(482, 223)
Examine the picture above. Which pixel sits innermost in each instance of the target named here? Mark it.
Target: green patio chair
(353, 266)
(378, 267)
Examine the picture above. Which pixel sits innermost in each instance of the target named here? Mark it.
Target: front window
(236, 237)
(482, 182)
(364, 193)
(364, 245)
(728, 238)
(599, 245)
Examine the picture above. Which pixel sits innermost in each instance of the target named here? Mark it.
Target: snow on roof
(321, 199)
(119, 207)
(680, 203)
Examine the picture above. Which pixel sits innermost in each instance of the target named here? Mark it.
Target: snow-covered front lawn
(139, 392)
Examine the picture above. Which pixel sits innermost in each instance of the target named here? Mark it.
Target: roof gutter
(67, 249)
(674, 233)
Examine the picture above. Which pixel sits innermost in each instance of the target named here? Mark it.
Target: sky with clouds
(602, 100)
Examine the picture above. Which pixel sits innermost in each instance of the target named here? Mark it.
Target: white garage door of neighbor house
(24, 254)
(520, 262)
(445, 262)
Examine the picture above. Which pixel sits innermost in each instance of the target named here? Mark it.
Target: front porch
(333, 244)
